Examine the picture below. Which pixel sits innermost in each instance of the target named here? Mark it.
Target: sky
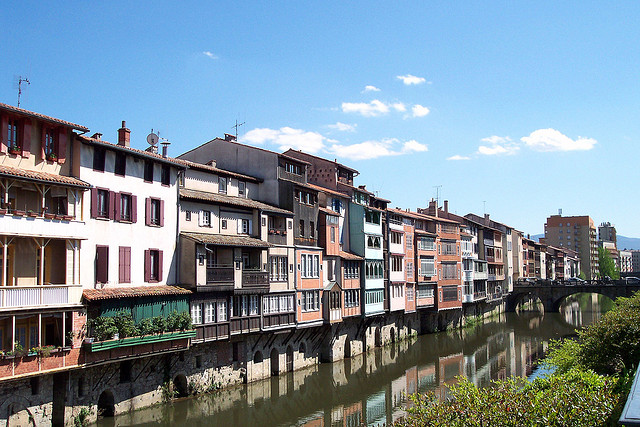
(515, 109)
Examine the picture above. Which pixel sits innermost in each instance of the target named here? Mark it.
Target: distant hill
(623, 242)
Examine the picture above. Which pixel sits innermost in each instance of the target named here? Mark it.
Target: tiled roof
(362, 190)
(205, 196)
(290, 150)
(42, 176)
(217, 170)
(131, 150)
(248, 146)
(350, 257)
(328, 211)
(42, 117)
(133, 291)
(329, 190)
(227, 240)
(426, 233)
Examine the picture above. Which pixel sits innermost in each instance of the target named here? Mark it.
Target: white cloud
(210, 54)
(370, 88)
(343, 127)
(410, 79)
(458, 157)
(286, 137)
(374, 149)
(399, 106)
(553, 140)
(498, 145)
(371, 109)
(419, 110)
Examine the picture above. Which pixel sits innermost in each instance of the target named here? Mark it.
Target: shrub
(159, 324)
(125, 324)
(104, 328)
(145, 326)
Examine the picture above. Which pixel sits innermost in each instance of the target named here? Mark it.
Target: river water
(372, 387)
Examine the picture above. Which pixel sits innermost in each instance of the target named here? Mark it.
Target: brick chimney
(124, 135)
(229, 137)
(446, 206)
(433, 208)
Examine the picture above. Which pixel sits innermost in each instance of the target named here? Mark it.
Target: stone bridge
(553, 293)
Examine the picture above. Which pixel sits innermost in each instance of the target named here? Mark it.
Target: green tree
(607, 266)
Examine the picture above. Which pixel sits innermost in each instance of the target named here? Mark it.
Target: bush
(145, 326)
(124, 323)
(159, 324)
(104, 328)
(575, 398)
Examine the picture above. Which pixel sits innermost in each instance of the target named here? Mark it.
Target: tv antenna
(237, 125)
(437, 187)
(20, 81)
(484, 207)
(153, 139)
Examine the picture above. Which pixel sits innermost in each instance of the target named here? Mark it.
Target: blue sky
(513, 108)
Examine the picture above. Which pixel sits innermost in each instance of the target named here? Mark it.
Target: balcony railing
(34, 296)
(255, 278)
(277, 237)
(220, 274)
(283, 174)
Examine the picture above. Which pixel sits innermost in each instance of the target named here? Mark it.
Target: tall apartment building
(635, 260)
(577, 233)
(607, 233)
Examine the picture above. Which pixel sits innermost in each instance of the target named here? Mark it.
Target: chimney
(446, 206)
(433, 208)
(165, 148)
(229, 137)
(124, 135)
(486, 216)
(97, 136)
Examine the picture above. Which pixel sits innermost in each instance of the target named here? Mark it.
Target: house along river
(372, 387)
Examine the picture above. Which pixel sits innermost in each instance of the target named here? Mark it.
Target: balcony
(56, 226)
(255, 279)
(12, 297)
(220, 274)
(283, 174)
(277, 237)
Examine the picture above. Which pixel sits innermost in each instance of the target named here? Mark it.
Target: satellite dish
(152, 139)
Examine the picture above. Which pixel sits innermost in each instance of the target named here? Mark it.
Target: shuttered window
(124, 264)
(153, 265)
(102, 264)
(154, 212)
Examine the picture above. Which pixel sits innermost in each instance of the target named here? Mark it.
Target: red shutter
(4, 133)
(62, 145)
(161, 213)
(147, 211)
(112, 202)
(134, 208)
(124, 270)
(159, 266)
(42, 138)
(26, 138)
(127, 265)
(147, 265)
(102, 264)
(117, 206)
(94, 202)
(121, 264)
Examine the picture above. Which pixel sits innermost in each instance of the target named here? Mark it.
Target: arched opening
(180, 386)
(257, 358)
(302, 348)
(347, 348)
(275, 362)
(409, 331)
(106, 404)
(392, 334)
(289, 359)
(378, 337)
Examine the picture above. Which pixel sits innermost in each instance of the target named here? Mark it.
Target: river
(372, 387)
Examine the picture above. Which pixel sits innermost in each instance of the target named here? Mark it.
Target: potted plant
(32, 214)
(15, 149)
(18, 212)
(49, 215)
(52, 157)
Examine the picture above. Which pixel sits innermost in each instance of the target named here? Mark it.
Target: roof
(362, 190)
(290, 150)
(206, 196)
(42, 176)
(329, 190)
(328, 211)
(132, 291)
(43, 117)
(227, 240)
(146, 154)
(332, 284)
(350, 257)
(426, 233)
(218, 139)
(217, 170)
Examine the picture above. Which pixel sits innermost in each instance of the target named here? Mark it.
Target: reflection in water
(372, 387)
(584, 309)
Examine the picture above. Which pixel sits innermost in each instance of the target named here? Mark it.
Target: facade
(635, 261)
(577, 233)
(626, 265)
(607, 233)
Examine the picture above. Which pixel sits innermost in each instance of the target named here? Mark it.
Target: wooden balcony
(220, 274)
(283, 174)
(12, 297)
(277, 237)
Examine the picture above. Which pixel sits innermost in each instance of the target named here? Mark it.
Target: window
(449, 271)
(449, 248)
(409, 293)
(223, 224)
(426, 243)
(49, 143)
(12, 135)
(409, 242)
(332, 231)
(155, 212)
(196, 313)
(124, 264)
(103, 203)
(121, 163)
(425, 291)
(374, 242)
(292, 168)
(272, 304)
(152, 265)
(372, 217)
(187, 215)
(148, 171)
(310, 300)
(99, 154)
(222, 311)
(245, 229)
(253, 305)
(205, 218)
(427, 266)
(395, 238)
(125, 207)
(102, 264)
(312, 229)
(351, 269)
(373, 269)
(309, 265)
(449, 293)
(409, 269)
(351, 298)
(241, 189)
(278, 271)
(209, 312)
(222, 184)
(396, 263)
(301, 230)
(374, 297)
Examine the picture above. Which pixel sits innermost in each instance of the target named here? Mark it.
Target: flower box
(67, 217)
(15, 150)
(3, 211)
(49, 215)
(32, 214)
(17, 212)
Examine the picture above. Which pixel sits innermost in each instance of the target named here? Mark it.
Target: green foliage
(582, 275)
(574, 398)
(563, 355)
(145, 326)
(105, 327)
(82, 418)
(125, 324)
(159, 324)
(607, 267)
